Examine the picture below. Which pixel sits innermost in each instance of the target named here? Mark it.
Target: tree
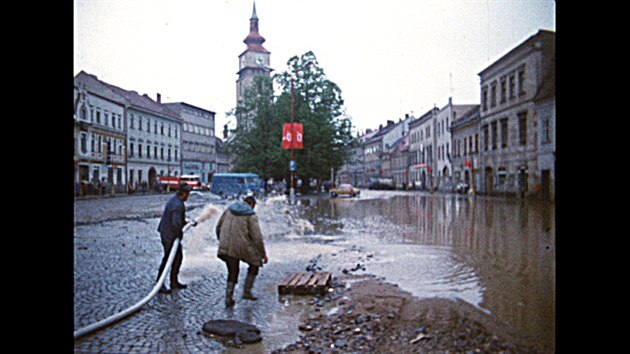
(257, 142)
(318, 105)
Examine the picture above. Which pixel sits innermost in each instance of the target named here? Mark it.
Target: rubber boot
(229, 293)
(249, 284)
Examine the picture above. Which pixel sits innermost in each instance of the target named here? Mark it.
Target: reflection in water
(505, 247)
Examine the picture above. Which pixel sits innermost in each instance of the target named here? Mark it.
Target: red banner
(293, 136)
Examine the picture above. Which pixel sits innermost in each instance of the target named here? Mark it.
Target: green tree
(258, 136)
(318, 106)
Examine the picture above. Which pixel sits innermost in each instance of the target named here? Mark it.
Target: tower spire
(254, 16)
(254, 40)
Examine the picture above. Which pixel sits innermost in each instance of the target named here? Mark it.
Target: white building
(443, 142)
(99, 132)
(148, 133)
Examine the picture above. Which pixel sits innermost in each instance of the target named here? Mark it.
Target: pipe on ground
(118, 316)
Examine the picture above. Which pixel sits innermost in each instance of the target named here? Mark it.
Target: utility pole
(292, 164)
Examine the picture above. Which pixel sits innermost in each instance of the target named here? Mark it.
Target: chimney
(159, 98)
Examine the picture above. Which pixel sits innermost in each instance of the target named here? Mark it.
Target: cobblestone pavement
(116, 257)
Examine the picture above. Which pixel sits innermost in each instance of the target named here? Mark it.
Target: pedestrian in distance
(240, 239)
(171, 228)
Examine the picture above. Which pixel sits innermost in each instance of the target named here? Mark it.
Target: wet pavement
(497, 254)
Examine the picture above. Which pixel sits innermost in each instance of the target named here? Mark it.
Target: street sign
(292, 165)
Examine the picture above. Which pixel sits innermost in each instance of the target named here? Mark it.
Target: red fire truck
(173, 182)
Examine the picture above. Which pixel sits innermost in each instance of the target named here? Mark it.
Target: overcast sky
(388, 57)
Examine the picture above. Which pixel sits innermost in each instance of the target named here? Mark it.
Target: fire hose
(118, 316)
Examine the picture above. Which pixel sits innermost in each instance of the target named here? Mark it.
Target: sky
(389, 58)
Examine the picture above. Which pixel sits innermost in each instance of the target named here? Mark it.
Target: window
(131, 121)
(486, 140)
(512, 85)
(522, 128)
(83, 114)
(139, 150)
(545, 136)
(155, 152)
(140, 123)
(484, 98)
(83, 141)
(477, 143)
(98, 115)
(493, 95)
(504, 132)
(503, 90)
(106, 121)
(130, 149)
(148, 152)
(161, 128)
(521, 80)
(92, 141)
(493, 126)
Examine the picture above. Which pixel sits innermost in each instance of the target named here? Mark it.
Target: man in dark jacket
(171, 224)
(240, 239)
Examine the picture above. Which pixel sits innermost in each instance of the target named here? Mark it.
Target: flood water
(495, 253)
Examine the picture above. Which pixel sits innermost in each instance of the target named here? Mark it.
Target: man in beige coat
(240, 239)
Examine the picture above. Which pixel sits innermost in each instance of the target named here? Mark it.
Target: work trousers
(177, 261)
(233, 268)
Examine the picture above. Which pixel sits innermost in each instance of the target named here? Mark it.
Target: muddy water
(495, 253)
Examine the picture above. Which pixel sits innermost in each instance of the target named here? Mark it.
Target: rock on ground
(376, 316)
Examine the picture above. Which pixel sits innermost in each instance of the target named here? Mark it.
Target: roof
(176, 107)
(423, 118)
(546, 36)
(129, 98)
(470, 116)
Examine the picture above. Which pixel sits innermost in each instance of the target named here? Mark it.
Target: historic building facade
(99, 138)
(465, 136)
(147, 142)
(198, 144)
(443, 142)
(421, 147)
(509, 123)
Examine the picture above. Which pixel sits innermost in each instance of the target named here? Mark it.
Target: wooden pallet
(305, 283)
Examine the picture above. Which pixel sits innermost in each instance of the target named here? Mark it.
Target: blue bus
(235, 184)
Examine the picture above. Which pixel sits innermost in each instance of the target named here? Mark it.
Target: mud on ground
(376, 316)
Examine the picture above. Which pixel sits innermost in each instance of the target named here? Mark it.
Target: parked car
(381, 183)
(345, 189)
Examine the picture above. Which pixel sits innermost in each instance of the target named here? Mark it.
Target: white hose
(117, 317)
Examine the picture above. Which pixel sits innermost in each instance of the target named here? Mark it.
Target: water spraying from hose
(208, 212)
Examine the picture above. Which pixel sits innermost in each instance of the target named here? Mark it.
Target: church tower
(254, 61)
